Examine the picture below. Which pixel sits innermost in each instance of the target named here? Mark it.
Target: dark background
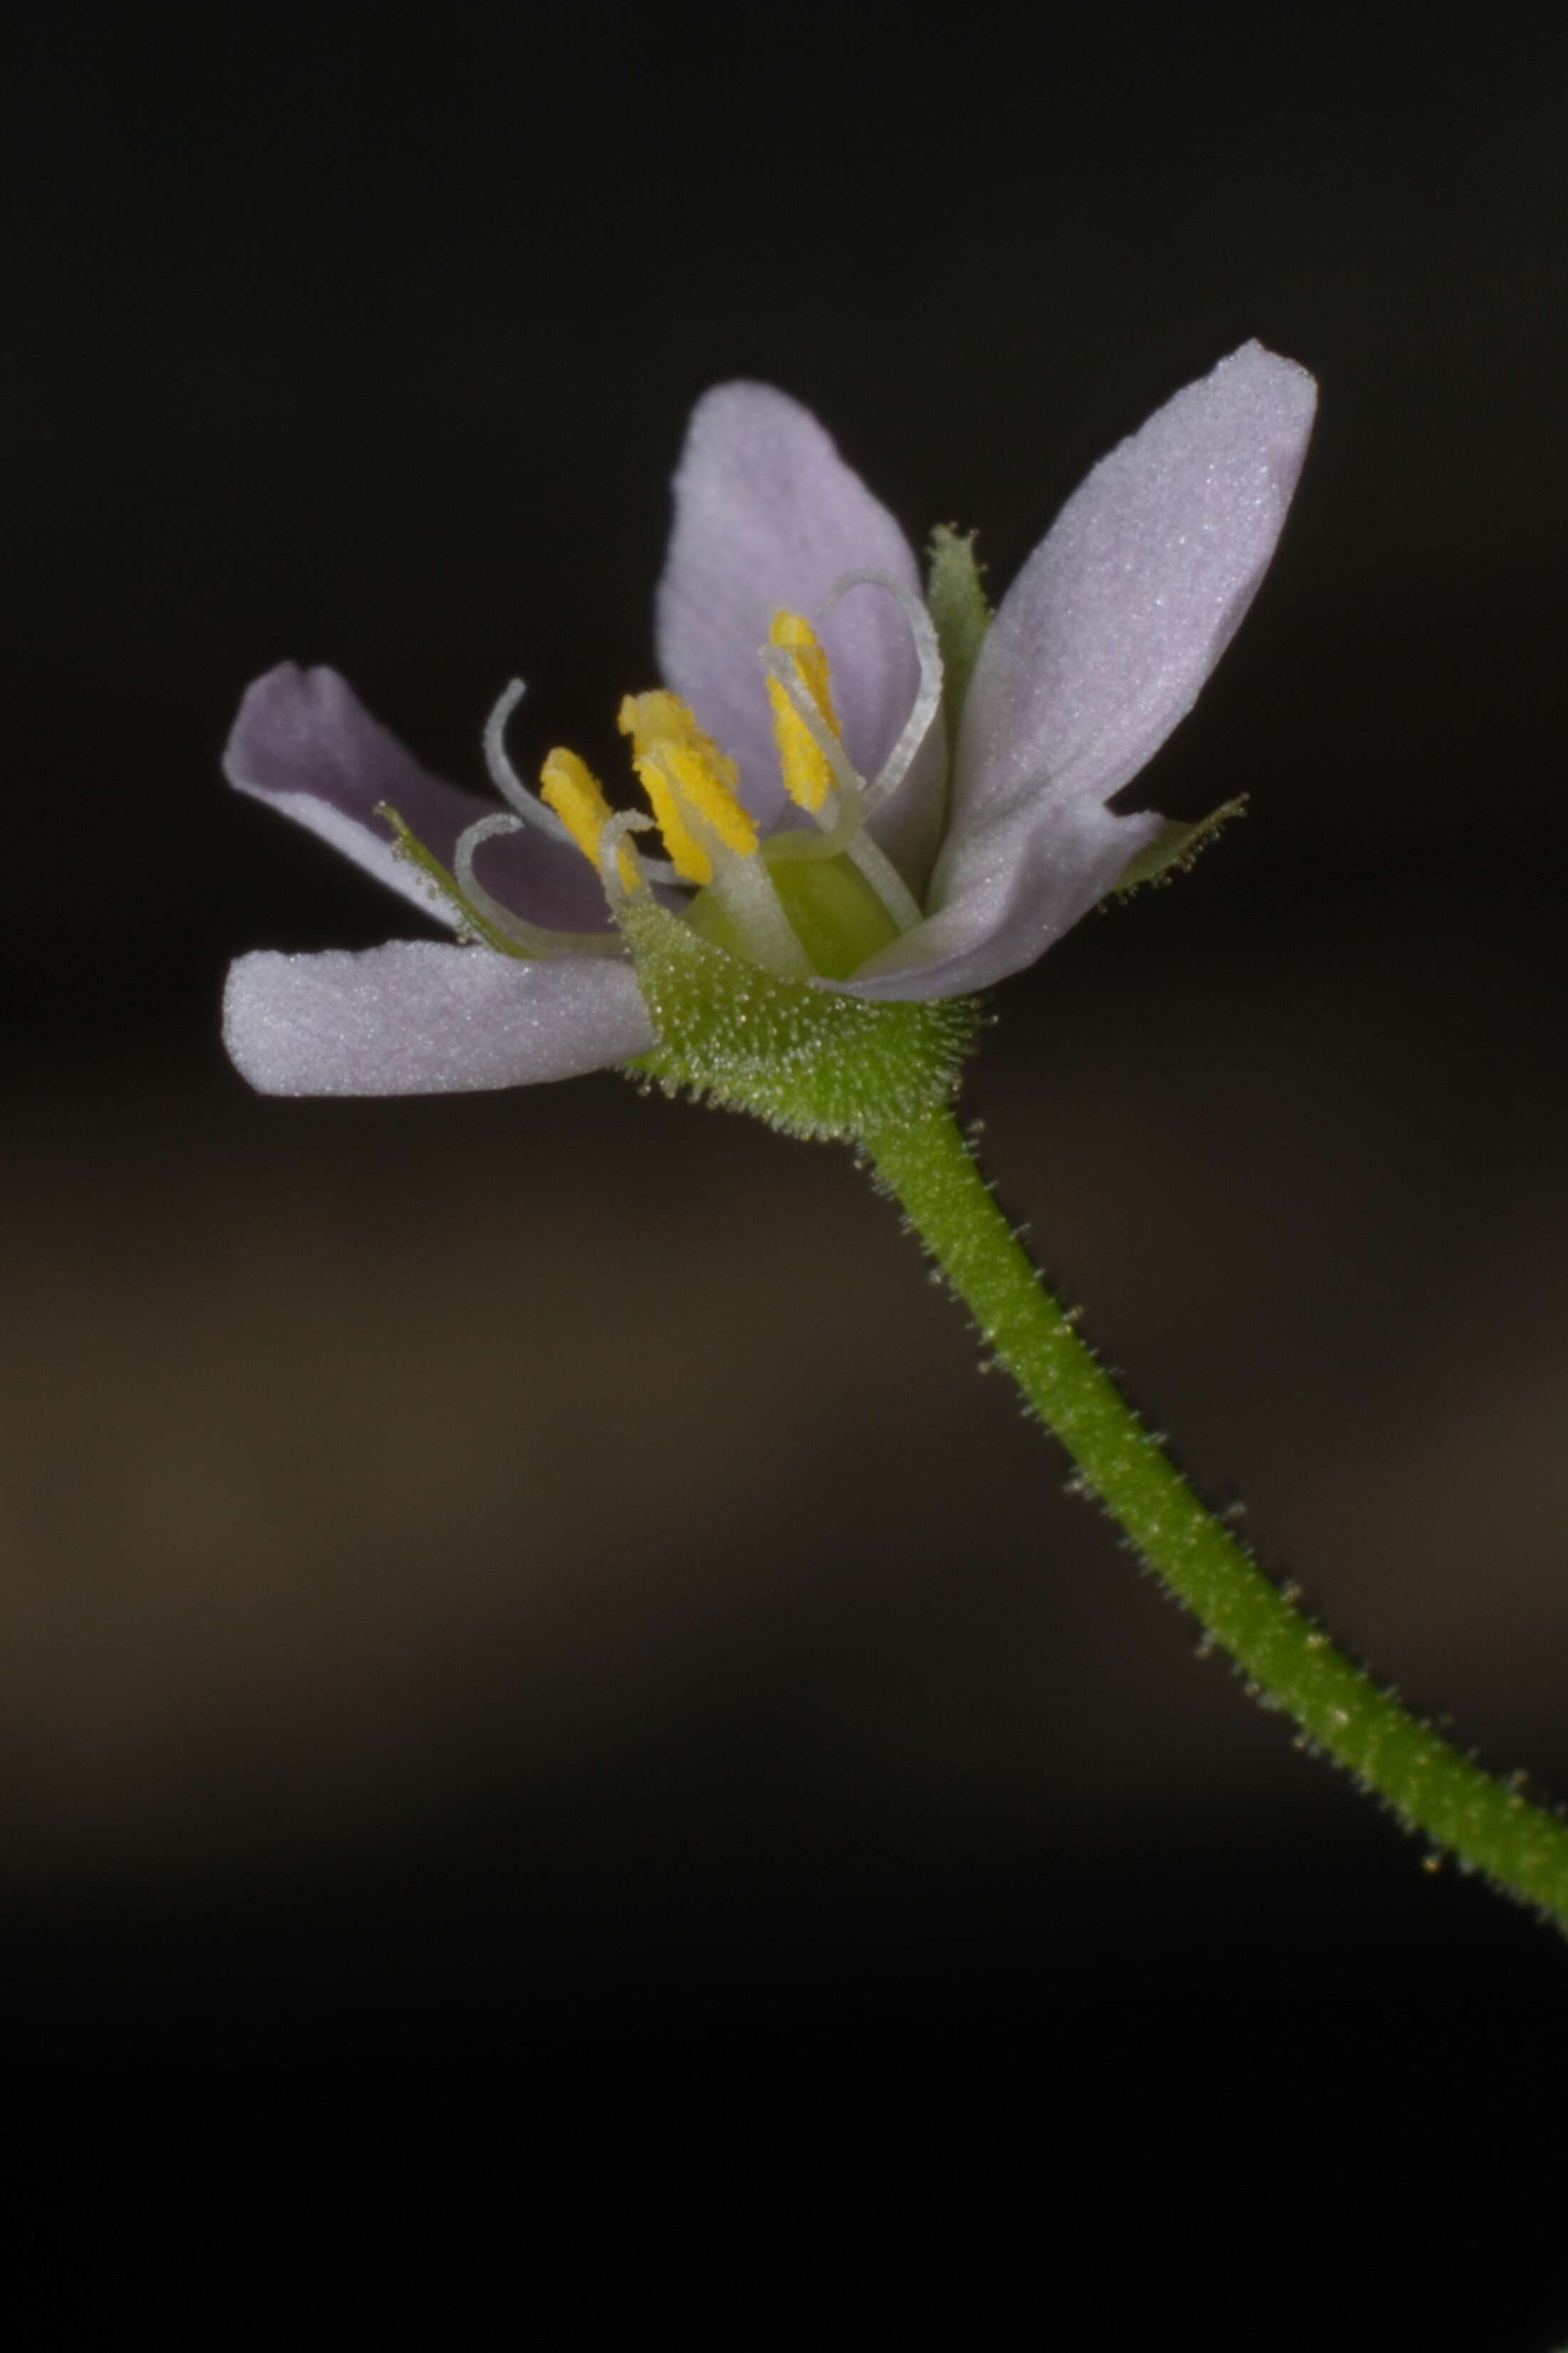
(536, 1578)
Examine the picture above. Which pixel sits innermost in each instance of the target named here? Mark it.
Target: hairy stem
(1487, 1824)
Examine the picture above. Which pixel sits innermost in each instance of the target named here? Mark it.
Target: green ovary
(831, 910)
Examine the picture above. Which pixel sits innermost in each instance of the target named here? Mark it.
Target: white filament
(927, 694)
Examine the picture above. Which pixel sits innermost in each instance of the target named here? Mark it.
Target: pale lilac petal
(767, 515)
(418, 1018)
(1008, 914)
(305, 744)
(1100, 648)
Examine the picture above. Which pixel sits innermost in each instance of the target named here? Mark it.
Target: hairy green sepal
(471, 925)
(960, 614)
(1175, 847)
(808, 1060)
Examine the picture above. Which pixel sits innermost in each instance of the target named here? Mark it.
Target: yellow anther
(804, 765)
(689, 782)
(569, 787)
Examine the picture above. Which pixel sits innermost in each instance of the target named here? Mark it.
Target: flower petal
(1100, 646)
(1007, 914)
(767, 515)
(305, 744)
(418, 1018)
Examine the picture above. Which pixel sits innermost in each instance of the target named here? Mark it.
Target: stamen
(533, 939)
(710, 834)
(569, 787)
(927, 694)
(529, 807)
(688, 855)
(689, 782)
(840, 824)
(847, 833)
(806, 770)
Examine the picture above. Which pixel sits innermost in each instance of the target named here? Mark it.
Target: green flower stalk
(868, 800)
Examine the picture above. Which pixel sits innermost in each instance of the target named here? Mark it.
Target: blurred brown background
(557, 1541)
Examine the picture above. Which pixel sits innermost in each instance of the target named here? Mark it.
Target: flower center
(816, 900)
(813, 901)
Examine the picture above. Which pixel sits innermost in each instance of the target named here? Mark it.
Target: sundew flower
(865, 804)
(858, 788)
